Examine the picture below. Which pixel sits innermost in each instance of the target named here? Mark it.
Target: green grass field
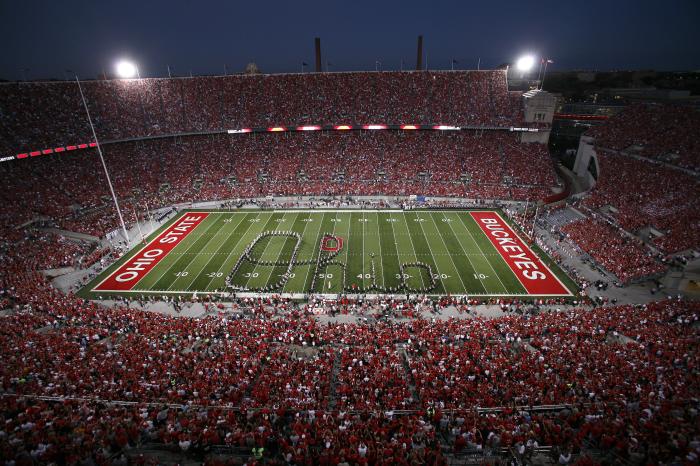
(380, 253)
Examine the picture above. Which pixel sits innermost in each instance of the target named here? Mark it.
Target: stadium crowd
(627, 258)
(36, 116)
(392, 391)
(83, 384)
(647, 194)
(664, 132)
(70, 189)
(386, 392)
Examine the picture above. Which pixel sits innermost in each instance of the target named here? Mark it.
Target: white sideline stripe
(302, 295)
(326, 211)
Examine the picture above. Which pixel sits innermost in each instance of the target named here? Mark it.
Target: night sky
(42, 39)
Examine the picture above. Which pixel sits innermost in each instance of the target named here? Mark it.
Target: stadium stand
(377, 393)
(36, 116)
(643, 193)
(70, 188)
(618, 253)
(81, 383)
(664, 132)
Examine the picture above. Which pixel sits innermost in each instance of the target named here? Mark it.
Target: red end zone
(534, 275)
(138, 266)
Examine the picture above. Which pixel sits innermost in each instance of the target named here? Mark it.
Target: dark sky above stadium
(42, 39)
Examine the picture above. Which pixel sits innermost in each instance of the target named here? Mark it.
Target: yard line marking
(346, 250)
(464, 286)
(381, 262)
(415, 256)
(262, 254)
(228, 254)
(489, 262)
(363, 248)
(465, 252)
(312, 266)
(203, 248)
(434, 261)
(279, 254)
(303, 233)
(186, 250)
(170, 268)
(342, 285)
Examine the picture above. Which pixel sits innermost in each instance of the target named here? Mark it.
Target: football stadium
(443, 236)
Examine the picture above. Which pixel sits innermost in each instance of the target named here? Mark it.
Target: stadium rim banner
(276, 129)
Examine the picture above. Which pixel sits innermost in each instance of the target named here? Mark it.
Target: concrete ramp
(73, 235)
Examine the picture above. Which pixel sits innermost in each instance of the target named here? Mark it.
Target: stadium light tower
(127, 69)
(525, 63)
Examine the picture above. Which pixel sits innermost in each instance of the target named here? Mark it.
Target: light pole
(104, 165)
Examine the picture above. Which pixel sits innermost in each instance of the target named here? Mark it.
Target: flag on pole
(550, 61)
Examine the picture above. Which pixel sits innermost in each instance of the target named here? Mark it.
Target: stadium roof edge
(63, 81)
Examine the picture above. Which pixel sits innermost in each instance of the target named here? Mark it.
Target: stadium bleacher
(82, 383)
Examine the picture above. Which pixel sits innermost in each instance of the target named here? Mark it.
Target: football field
(297, 252)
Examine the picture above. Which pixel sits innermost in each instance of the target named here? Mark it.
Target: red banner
(138, 266)
(532, 273)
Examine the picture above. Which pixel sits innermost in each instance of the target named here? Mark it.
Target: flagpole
(104, 165)
(539, 73)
